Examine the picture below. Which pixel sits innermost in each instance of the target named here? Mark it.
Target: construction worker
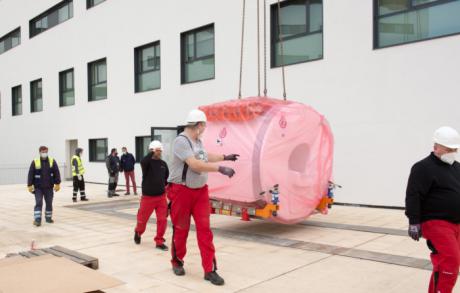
(433, 208)
(77, 173)
(127, 163)
(43, 177)
(113, 167)
(154, 179)
(189, 196)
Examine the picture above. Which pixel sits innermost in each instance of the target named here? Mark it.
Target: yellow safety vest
(38, 163)
(81, 170)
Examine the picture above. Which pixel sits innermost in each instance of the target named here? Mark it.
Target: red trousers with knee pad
(146, 208)
(443, 239)
(187, 203)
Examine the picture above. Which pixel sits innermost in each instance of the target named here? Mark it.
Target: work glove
(226, 171)
(80, 178)
(30, 188)
(232, 157)
(415, 231)
(57, 187)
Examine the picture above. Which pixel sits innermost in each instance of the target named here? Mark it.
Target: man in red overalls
(188, 193)
(433, 208)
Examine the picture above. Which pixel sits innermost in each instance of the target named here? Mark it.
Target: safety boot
(214, 278)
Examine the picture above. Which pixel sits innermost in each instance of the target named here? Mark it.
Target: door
(71, 146)
(166, 135)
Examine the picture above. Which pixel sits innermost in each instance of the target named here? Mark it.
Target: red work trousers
(187, 203)
(128, 175)
(443, 239)
(148, 205)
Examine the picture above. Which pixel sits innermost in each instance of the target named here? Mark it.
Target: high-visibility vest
(81, 169)
(38, 171)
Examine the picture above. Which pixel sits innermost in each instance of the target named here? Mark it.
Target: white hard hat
(196, 116)
(154, 145)
(447, 136)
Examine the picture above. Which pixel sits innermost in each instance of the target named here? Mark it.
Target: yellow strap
(38, 162)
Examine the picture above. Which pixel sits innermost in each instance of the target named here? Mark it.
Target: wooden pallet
(60, 251)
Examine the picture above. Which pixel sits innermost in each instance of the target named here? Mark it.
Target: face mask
(449, 158)
(44, 155)
(124, 153)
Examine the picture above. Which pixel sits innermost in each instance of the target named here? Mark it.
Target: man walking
(113, 167)
(433, 208)
(127, 166)
(43, 177)
(77, 173)
(189, 195)
(154, 179)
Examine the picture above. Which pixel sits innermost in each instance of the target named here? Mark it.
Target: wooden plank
(57, 253)
(26, 254)
(89, 261)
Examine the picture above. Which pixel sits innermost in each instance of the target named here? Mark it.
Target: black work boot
(49, 220)
(83, 198)
(38, 222)
(178, 270)
(137, 238)
(162, 247)
(214, 278)
(74, 199)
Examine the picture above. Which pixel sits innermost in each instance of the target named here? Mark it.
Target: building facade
(100, 74)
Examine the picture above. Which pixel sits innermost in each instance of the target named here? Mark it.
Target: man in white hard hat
(433, 207)
(154, 179)
(189, 196)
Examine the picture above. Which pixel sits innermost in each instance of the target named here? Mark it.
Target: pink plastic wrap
(279, 142)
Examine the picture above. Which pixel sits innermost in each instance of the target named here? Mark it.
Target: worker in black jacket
(433, 207)
(155, 174)
(113, 167)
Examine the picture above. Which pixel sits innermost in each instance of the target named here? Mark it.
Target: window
(66, 88)
(405, 21)
(142, 147)
(10, 40)
(301, 30)
(97, 80)
(16, 97)
(166, 135)
(50, 18)
(92, 3)
(147, 67)
(98, 150)
(197, 51)
(36, 100)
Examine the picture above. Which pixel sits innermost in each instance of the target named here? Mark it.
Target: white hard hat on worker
(446, 144)
(156, 145)
(196, 120)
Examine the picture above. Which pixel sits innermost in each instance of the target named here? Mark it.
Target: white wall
(383, 105)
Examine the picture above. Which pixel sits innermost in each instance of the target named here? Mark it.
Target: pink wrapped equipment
(279, 142)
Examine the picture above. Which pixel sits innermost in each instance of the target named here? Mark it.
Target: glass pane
(166, 136)
(190, 47)
(145, 146)
(101, 149)
(68, 98)
(99, 92)
(2, 47)
(101, 72)
(63, 13)
(389, 6)
(420, 24)
(68, 81)
(53, 18)
(95, 2)
(418, 2)
(148, 59)
(300, 49)
(205, 43)
(37, 105)
(293, 18)
(199, 70)
(316, 15)
(149, 81)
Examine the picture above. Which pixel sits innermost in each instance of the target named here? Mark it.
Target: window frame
(89, 5)
(32, 98)
(14, 101)
(92, 156)
(274, 35)
(8, 36)
(33, 33)
(61, 87)
(90, 85)
(137, 72)
(377, 17)
(183, 62)
(139, 154)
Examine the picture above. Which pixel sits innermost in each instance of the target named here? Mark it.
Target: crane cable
(242, 47)
(280, 36)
